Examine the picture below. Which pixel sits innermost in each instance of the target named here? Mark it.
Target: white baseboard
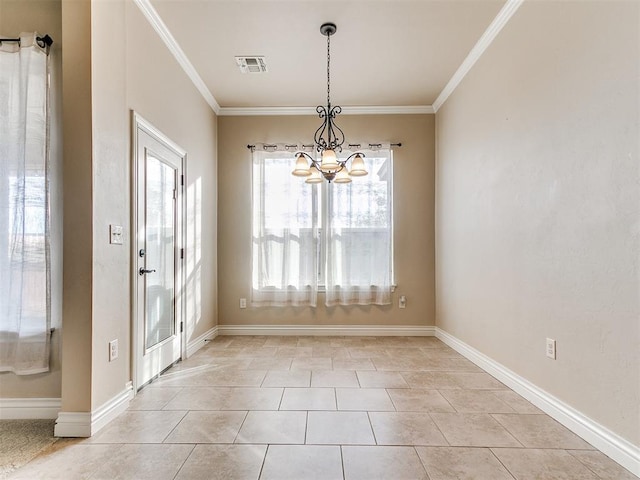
(29, 408)
(86, 424)
(197, 343)
(325, 330)
(608, 442)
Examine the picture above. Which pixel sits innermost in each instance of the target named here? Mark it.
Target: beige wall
(78, 202)
(113, 61)
(538, 205)
(111, 201)
(413, 199)
(128, 59)
(160, 91)
(43, 16)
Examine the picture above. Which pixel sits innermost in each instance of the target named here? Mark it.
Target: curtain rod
(45, 41)
(353, 145)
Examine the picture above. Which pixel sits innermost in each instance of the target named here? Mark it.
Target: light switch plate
(115, 232)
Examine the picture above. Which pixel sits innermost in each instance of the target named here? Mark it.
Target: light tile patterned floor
(306, 408)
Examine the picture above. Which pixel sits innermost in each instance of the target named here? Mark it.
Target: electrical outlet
(402, 302)
(243, 303)
(113, 350)
(551, 348)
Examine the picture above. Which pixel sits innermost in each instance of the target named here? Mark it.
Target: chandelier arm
(333, 142)
(321, 144)
(353, 155)
(330, 136)
(336, 135)
(313, 160)
(300, 152)
(337, 110)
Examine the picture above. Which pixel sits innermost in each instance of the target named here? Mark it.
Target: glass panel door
(160, 251)
(159, 236)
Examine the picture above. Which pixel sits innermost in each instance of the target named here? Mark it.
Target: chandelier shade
(329, 161)
(302, 167)
(357, 166)
(342, 176)
(328, 139)
(314, 175)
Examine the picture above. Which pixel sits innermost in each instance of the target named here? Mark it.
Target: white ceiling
(385, 52)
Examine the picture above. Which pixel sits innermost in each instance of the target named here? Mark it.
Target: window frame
(319, 210)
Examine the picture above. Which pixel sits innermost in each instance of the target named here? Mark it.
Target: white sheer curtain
(285, 234)
(24, 208)
(359, 235)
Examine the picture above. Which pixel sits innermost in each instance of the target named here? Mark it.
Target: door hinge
(181, 253)
(181, 326)
(182, 180)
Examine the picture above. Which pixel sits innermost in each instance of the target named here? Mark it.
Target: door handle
(142, 271)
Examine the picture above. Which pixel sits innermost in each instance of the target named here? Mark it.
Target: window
(336, 236)
(24, 208)
(25, 255)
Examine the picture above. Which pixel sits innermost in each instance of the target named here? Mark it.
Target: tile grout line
(281, 398)
(492, 415)
(185, 460)
(186, 412)
(306, 427)
(391, 398)
(263, 379)
(582, 463)
(455, 410)
(264, 460)
(439, 429)
(373, 432)
(246, 414)
(501, 463)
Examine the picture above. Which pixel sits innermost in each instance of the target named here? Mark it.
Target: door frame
(139, 123)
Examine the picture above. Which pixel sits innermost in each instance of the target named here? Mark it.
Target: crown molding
(355, 110)
(507, 11)
(501, 19)
(163, 31)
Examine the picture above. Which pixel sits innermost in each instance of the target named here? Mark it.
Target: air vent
(252, 64)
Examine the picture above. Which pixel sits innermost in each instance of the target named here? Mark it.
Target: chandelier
(328, 140)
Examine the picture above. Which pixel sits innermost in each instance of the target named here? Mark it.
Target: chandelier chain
(328, 70)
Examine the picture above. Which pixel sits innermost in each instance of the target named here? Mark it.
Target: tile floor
(306, 408)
